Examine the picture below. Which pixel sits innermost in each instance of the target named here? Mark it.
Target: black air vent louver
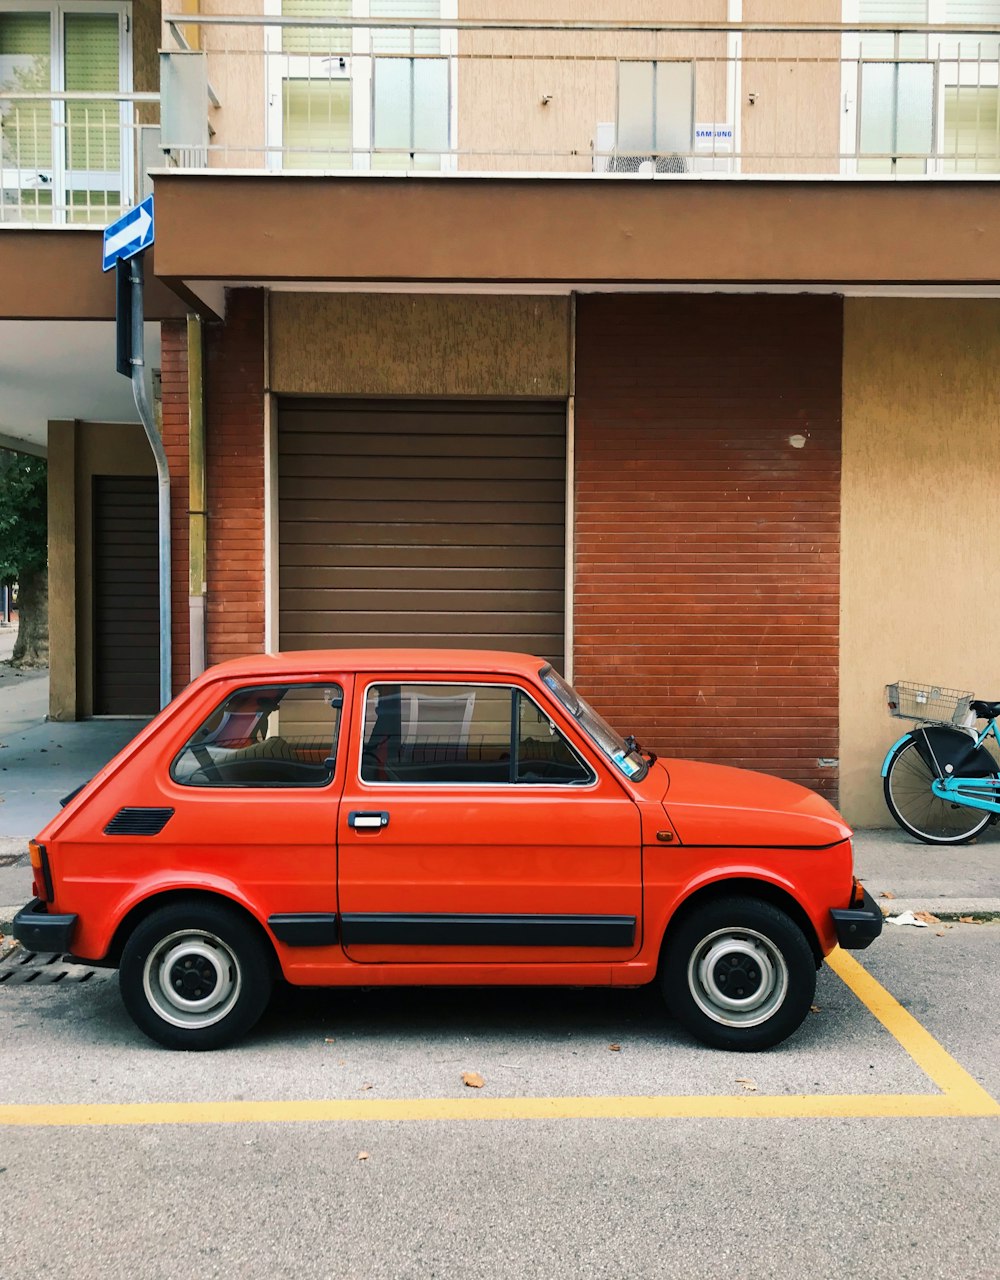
(138, 822)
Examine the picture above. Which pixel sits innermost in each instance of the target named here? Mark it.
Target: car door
(475, 828)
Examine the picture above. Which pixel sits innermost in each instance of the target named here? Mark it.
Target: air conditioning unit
(608, 159)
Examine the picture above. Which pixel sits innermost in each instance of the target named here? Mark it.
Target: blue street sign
(132, 233)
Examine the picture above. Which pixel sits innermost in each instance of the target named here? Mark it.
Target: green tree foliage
(23, 534)
(24, 550)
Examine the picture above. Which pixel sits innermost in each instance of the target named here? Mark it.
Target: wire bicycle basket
(930, 703)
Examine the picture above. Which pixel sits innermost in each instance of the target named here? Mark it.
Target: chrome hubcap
(737, 977)
(192, 979)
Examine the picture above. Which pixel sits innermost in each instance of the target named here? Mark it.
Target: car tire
(739, 974)
(195, 975)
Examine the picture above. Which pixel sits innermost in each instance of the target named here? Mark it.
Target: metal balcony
(664, 101)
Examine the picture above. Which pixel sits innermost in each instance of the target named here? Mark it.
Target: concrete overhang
(54, 273)
(60, 369)
(591, 231)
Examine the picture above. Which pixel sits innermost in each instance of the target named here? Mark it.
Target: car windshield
(624, 757)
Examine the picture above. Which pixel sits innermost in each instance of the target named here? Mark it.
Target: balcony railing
(75, 158)
(668, 101)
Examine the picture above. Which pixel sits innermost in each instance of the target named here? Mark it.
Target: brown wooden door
(438, 524)
(126, 596)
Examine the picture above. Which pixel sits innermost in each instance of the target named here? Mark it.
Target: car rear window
(265, 736)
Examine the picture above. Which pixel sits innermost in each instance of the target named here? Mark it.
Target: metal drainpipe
(162, 472)
(196, 494)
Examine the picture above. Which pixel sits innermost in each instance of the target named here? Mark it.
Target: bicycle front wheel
(918, 810)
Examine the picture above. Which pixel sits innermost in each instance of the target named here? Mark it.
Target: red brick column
(234, 432)
(708, 525)
(174, 391)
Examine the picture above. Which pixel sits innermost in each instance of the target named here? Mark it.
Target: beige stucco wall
(77, 452)
(793, 123)
(418, 345)
(921, 447)
(503, 123)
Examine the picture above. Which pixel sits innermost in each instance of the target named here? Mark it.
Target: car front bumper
(35, 929)
(858, 927)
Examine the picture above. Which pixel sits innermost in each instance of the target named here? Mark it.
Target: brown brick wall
(707, 544)
(234, 430)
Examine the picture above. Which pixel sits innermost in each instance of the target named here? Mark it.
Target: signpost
(125, 243)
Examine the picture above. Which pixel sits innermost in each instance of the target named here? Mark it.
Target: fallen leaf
(472, 1079)
(939, 933)
(887, 894)
(814, 1008)
(615, 1048)
(366, 1086)
(362, 1155)
(928, 917)
(967, 919)
(748, 1085)
(328, 1040)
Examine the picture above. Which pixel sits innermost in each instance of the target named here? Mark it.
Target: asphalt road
(691, 1197)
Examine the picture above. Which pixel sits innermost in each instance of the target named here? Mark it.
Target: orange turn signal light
(40, 865)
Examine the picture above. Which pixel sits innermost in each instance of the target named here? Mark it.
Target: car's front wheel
(739, 974)
(195, 975)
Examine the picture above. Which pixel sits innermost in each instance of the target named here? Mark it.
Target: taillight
(42, 879)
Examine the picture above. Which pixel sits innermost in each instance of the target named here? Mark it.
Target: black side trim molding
(487, 931)
(138, 822)
(305, 929)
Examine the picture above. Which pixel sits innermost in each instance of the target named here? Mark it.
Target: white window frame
(358, 70)
(63, 180)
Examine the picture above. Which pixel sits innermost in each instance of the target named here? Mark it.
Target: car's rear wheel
(738, 973)
(195, 975)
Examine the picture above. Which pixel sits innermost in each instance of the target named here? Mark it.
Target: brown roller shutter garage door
(126, 596)
(418, 523)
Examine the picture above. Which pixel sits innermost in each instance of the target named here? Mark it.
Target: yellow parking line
(797, 1107)
(960, 1094)
(929, 1055)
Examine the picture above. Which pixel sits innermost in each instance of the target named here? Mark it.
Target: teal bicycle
(941, 782)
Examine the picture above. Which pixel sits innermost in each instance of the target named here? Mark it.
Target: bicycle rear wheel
(918, 810)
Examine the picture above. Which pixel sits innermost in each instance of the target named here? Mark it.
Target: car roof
(327, 662)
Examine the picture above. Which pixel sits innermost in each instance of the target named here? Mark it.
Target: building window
(410, 113)
(928, 99)
(349, 98)
(655, 119)
(59, 155)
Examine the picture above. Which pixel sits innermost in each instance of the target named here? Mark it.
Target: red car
(414, 817)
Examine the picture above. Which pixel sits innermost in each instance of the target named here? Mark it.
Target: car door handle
(367, 820)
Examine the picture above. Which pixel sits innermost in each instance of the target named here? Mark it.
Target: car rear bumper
(35, 929)
(858, 927)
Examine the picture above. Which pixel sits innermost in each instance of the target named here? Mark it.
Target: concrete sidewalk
(41, 761)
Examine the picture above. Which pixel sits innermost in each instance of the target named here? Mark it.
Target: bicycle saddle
(986, 710)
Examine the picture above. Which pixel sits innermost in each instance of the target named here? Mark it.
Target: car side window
(265, 736)
(452, 733)
(543, 754)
